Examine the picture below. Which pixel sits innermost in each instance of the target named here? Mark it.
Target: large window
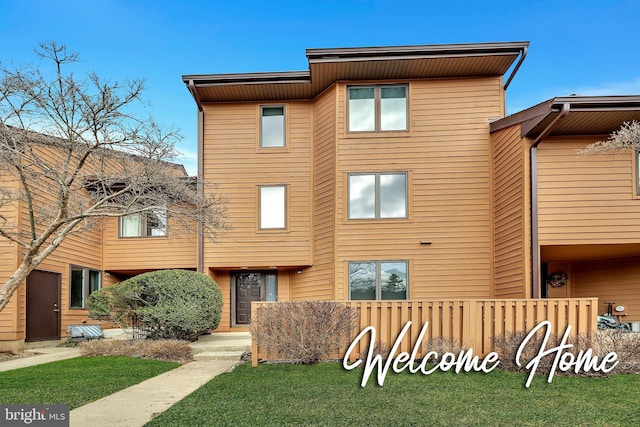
(272, 126)
(381, 280)
(151, 223)
(273, 201)
(377, 108)
(84, 281)
(377, 195)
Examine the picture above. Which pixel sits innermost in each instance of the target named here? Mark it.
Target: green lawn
(78, 381)
(326, 394)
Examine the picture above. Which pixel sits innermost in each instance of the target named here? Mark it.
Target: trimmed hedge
(170, 304)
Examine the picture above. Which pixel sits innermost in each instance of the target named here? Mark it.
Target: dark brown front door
(248, 288)
(252, 286)
(43, 306)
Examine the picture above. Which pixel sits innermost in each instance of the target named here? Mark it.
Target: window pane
(272, 207)
(361, 109)
(94, 281)
(157, 222)
(393, 196)
(271, 287)
(362, 280)
(362, 196)
(130, 226)
(393, 280)
(393, 108)
(272, 127)
(76, 292)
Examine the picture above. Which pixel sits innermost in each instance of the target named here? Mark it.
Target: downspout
(535, 245)
(200, 181)
(515, 70)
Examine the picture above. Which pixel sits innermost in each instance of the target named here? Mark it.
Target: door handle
(55, 308)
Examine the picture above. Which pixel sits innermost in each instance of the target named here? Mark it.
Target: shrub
(168, 350)
(625, 344)
(303, 331)
(169, 304)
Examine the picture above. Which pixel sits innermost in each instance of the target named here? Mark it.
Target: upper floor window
(272, 128)
(377, 195)
(152, 223)
(378, 280)
(377, 108)
(273, 201)
(84, 281)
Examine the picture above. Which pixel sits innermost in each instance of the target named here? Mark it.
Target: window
(378, 195)
(377, 108)
(84, 281)
(151, 223)
(273, 206)
(378, 280)
(272, 126)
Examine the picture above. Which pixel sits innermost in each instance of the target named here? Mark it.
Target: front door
(252, 286)
(43, 306)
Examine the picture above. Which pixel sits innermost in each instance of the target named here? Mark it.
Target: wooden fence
(472, 323)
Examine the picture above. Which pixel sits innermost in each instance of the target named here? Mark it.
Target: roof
(587, 115)
(360, 63)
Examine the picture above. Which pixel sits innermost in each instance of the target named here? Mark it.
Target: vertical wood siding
(236, 166)
(446, 153)
(510, 225)
(586, 199)
(471, 323)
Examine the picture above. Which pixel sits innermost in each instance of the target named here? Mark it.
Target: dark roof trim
(533, 116)
(416, 51)
(204, 80)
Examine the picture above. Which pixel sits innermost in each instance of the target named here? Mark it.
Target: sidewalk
(138, 404)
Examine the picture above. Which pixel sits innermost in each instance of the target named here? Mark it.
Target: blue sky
(586, 47)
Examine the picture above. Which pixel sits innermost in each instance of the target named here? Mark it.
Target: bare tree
(628, 136)
(72, 152)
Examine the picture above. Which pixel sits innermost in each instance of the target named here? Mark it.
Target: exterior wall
(447, 154)
(177, 250)
(317, 281)
(235, 163)
(585, 199)
(610, 280)
(511, 215)
(9, 326)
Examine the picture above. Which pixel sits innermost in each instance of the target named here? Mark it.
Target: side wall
(9, 317)
(586, 199)
(511, 217)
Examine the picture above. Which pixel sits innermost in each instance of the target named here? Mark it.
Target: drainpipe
(535, 245)
(515, 69)
(200, 182)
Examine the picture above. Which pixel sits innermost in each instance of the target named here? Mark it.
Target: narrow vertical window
(393, 108)
(82, 283)
(272, 207)
(272, 128)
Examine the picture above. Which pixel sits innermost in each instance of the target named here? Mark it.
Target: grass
(76, 382)
(326, 394)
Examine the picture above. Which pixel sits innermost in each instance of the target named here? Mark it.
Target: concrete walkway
(138, 404)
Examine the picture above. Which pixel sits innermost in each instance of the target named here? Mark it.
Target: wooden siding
(177, 250)
(446, 153)
(317, 281)
(471, 323)
(614, 280)
(237, 166)
(586, 199)
(9, 327)
(510, 223)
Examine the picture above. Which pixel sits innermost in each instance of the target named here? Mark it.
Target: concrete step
(209, 356)
(197, 349)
